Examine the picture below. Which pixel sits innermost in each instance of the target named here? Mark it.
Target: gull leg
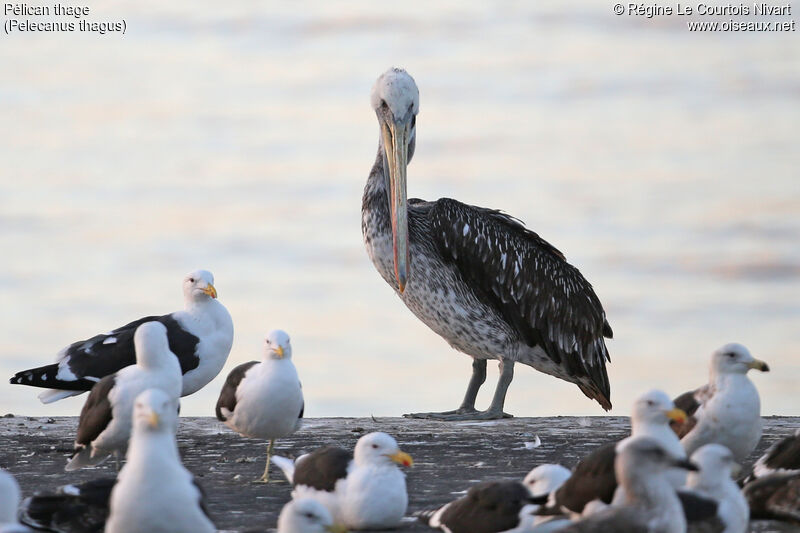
(467, 410)
(265, 477)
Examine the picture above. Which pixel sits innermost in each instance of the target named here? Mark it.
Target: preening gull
(714, 480)
(200, 335)
(154, 492)
(307, 516)
(363, 490)
(9, 501)
(477, 277)
(727, 410)
(651, 503)
(264, 399)
(594, 477)
(104, 426)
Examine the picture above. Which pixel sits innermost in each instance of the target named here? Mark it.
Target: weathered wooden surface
(449, 456)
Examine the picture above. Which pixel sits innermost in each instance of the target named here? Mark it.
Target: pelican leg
(467, 410)
(265, 477)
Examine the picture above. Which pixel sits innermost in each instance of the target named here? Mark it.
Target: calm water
(238, 139)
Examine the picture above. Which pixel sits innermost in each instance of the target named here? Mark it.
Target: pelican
(477, 277)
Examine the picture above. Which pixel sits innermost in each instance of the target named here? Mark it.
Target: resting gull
(104, 426)
(651, 504)
(775, 496)
(714, 480)
(264, 399)
(307, 516)
(71, 508)
(363, 490)
(594, 478)
(493, 506)
(727, 410)
(200, 335)
(154, 492)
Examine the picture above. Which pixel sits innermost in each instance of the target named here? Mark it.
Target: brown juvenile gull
(200, 335)
(477, 277)
(727, 410)
(264, 399)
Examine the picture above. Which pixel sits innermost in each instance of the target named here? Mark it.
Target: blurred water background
(237, 137)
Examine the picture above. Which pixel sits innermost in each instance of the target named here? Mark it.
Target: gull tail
(86, 456)
(431, 517)
(286, 465)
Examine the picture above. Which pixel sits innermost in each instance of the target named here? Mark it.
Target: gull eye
(310, 515)
(651, 403)
(375, 446)
(191, 280)
(731, 355)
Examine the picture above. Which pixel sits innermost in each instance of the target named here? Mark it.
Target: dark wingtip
(607, 331)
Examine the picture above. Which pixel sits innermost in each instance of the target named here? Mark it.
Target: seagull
(488, 507)
(782, 457)
(71, 508)
(714, 480)
(154, 492)
(104, 426)
(477, 277)
(363, 490)
(307, 516)
(594, 477)
(264, 399)
(727, 410)
(9, 501)
(200, 335)
(651, 503)
(546, 478)
(774, 496)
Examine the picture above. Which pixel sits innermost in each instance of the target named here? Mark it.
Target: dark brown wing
(593, 478)
(227, 396)
(322, 468)
(488, 507)
(689, 402)
(530, 283)
(774, 496)
(96, 412)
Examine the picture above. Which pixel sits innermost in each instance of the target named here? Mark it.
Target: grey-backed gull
(727, 410)
(714, 480)
(104, 426)
(307, 516)
(200, 335)
(264, 399)
(154, 492)
(651, 503)
(363, 490)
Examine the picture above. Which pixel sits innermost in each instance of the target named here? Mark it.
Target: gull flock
(676, 472)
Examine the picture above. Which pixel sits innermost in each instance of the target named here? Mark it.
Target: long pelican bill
(395, 142)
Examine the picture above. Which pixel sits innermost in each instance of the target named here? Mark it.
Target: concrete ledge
(449, 457)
